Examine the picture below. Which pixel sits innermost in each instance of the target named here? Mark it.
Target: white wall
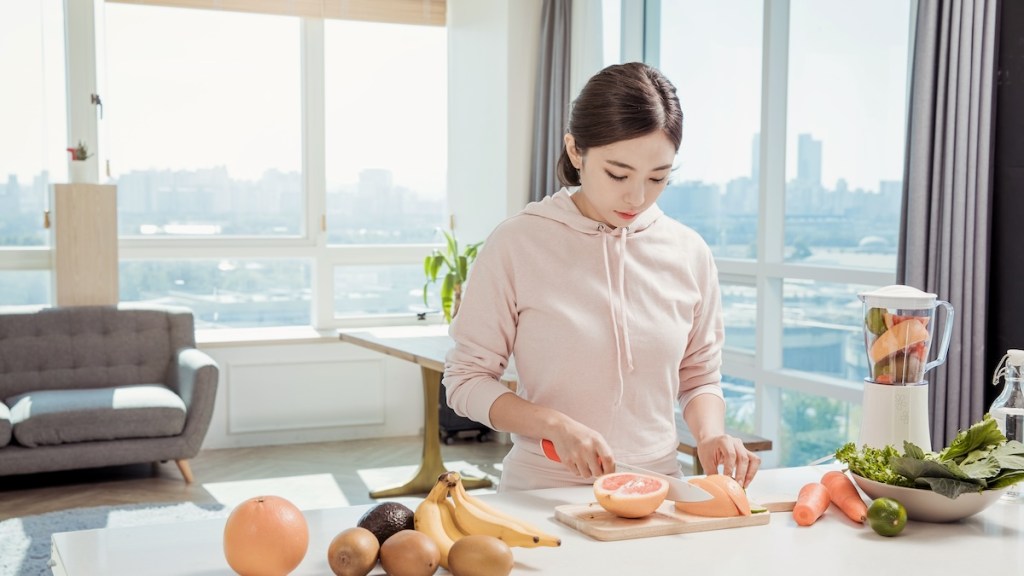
(492, 47)
(285, 393)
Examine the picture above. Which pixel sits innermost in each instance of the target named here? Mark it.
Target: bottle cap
(1015, 357)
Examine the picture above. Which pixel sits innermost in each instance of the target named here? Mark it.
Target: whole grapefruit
(630, 495)
(265, 536)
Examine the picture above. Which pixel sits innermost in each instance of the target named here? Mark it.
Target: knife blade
(678, 490)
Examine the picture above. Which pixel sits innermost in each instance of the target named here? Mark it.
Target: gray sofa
(83, 387)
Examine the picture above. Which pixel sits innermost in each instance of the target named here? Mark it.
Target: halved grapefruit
(728, 498)
(630, 495)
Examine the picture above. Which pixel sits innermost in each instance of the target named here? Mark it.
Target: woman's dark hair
(621, 102)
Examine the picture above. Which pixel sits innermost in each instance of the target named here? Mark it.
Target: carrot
(810, 503)
(844, 495)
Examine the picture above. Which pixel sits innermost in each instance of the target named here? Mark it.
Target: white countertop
(989, 543)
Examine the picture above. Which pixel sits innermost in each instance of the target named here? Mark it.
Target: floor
(316, 475)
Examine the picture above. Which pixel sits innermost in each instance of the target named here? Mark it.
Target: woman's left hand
(729, 453)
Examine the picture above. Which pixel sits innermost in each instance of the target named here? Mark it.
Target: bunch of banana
(474, 516)
(435, 518)
(446, 520)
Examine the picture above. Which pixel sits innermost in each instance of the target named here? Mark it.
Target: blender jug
(899, 323)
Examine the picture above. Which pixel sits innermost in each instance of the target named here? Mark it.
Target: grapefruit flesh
(630, 495)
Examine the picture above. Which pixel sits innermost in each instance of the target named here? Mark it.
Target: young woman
(611, 308)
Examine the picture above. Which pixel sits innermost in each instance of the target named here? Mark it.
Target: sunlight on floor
(307, 492)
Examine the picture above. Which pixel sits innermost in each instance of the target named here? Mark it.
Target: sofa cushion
(5, 425)
(52, 417)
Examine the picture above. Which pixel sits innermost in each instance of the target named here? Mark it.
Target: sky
(847, 91)
(847, 85)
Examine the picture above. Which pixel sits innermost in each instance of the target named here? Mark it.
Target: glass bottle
(1008, 408)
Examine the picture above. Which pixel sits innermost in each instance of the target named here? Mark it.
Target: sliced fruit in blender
(896, 339)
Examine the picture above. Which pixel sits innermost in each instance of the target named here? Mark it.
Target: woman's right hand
(581, 449)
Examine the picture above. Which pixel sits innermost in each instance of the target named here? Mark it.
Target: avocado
(387, 518)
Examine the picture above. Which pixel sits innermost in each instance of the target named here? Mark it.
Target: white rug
(25, 542)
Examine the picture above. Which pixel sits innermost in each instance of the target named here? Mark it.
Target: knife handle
(549, 450)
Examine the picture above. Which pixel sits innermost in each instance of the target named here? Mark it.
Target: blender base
(892, 414)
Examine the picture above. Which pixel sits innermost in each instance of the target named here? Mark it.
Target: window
(386, 131)
(796, 235)
(845, 132)
(205, 134)
(714, 186)
(32, 144)
(280, 178)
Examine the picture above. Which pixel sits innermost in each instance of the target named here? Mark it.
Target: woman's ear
(574, 154)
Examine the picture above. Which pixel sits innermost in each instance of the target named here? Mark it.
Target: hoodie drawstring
(622, 297)
(622, 307)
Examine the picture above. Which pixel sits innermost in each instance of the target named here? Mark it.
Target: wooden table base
(431, 464)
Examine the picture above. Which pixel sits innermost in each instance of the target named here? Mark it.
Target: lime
(887, 516)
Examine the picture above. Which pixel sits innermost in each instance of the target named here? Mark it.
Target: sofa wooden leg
(186, 470)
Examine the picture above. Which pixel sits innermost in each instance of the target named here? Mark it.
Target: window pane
(739, 403)
(229, 293)
(386, 132)
(32, 116)
(24, 288)
(813, 427)
(714, 189)
(205, 128)
(845, 131)
(822, 329)
(368, 290)
(739, 308)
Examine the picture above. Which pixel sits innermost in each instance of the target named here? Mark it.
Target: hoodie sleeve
(483, 331)
(700, 369)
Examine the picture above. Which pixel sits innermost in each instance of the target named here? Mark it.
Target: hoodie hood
(560, 208)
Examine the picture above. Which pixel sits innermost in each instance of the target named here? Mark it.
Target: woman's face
(622, 179)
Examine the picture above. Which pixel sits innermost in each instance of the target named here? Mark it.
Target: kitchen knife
(678, 490)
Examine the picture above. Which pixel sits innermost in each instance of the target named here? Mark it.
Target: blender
(899, 325)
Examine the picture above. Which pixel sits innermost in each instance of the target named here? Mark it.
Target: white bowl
(929, 506)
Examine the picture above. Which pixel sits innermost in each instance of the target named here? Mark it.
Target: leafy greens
(979, 458)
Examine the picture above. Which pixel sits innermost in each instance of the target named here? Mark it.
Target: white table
(989, 543)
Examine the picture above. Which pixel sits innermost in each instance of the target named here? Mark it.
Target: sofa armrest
(197, 377)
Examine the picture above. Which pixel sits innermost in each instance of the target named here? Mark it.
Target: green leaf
(913, 469)
(448, 295)
(948, 487)
(463, 270)
(435, 266)
(1005, 479)
(453, 246)
(981, 469)
(912, 450)
(983, 434)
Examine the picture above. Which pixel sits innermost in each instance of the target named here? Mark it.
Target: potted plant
(80, 153)
(77, 170)
(456, 264)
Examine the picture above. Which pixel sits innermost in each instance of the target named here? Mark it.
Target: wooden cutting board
(596, 522)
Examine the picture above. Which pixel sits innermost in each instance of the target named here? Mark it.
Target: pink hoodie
(610, 327)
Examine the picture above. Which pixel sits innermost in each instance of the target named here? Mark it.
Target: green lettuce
(979, 458)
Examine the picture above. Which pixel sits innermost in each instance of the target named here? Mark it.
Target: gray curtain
(947, 192)
(551, 106)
